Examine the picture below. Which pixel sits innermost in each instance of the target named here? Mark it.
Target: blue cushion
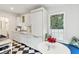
(75, 42)
(73, 49)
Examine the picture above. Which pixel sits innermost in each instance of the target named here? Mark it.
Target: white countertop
(5, 41)
(27, 33)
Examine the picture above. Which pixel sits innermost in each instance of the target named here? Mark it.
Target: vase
(50, 46)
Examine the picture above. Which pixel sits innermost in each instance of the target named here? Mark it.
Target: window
(56, 21)
(56, 26)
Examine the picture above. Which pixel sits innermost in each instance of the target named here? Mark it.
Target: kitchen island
(27, 38)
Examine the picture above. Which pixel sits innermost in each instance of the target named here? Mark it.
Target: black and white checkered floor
(19, 48)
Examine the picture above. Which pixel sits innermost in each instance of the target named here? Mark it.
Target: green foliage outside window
(56, 21)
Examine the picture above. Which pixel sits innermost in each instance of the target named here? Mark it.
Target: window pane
(56, 21)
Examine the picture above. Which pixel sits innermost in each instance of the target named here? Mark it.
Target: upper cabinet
(35, 22)
(38, 18)
(18, 21)
(23, 20)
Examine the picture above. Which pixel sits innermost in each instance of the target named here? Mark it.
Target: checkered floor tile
(6, 52)
(3, 50)
(19, 48)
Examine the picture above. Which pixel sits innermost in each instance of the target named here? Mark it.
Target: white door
(36, 23)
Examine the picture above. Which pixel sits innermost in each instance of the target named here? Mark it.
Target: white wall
(12, 20)
(71, 22)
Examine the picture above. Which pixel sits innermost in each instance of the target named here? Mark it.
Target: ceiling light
(11, 8)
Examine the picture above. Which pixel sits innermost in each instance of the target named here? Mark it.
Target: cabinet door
(27, 22)
(18, 21)
(16, 36)
(36, 23)
(0, 27)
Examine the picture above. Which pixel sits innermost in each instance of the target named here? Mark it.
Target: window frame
(55, 13)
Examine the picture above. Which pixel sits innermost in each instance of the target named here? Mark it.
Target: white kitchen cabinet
(38, 19)
(23, 20)
(34, 42)
(27, 39)
(16, 36)
(36, 23)
(18, 21)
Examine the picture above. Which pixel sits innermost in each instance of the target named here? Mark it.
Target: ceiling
(24, 8)
(18, 8)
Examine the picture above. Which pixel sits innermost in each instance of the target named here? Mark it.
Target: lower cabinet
(27, 39)
(34, 42)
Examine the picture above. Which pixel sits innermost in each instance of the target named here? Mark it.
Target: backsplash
(23, 28)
